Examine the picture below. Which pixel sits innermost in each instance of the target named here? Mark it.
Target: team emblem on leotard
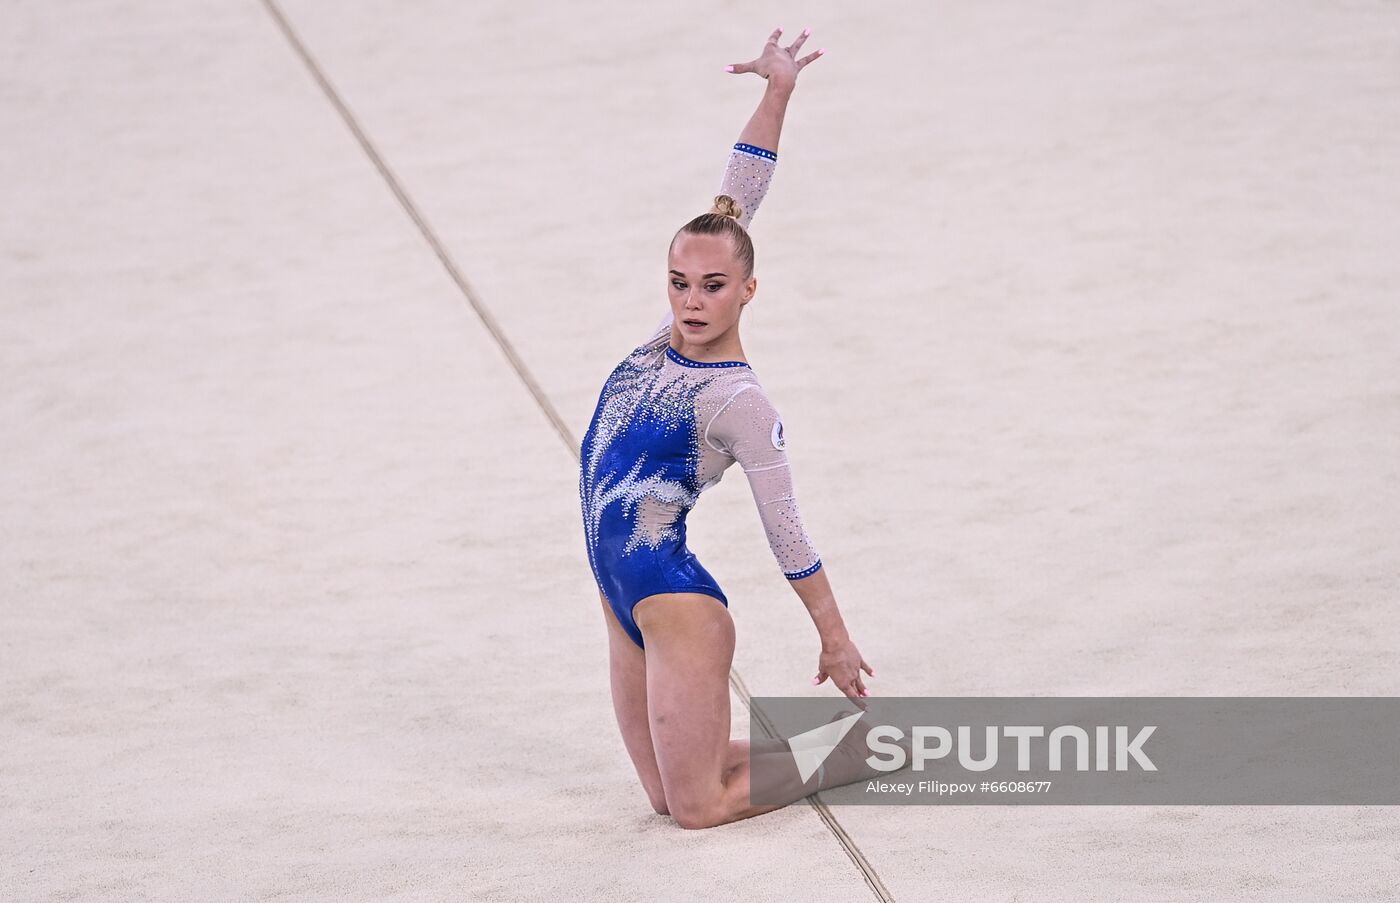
(778, 441)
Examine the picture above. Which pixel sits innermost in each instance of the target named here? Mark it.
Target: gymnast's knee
(693, 816)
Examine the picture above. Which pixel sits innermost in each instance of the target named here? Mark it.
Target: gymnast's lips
(698, 324)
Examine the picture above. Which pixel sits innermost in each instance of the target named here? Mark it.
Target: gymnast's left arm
(755, 155)
(748, 429)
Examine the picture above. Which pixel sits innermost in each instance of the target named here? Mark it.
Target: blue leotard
(665, 429)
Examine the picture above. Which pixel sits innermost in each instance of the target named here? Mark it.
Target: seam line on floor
(430, 236)
(848, 844)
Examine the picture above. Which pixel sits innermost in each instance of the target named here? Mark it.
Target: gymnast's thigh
(695, 615)
(628, 678)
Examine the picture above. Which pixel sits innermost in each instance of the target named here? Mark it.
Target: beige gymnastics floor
(1082, 318)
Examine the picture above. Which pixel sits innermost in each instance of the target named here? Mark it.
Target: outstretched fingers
(769, 63)
(797, 45)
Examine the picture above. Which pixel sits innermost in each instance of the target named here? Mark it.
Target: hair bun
(726, 206)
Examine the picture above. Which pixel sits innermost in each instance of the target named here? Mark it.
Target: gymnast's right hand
(842, 662)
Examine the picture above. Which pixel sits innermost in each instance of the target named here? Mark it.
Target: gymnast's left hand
(779, 64)
(842, 662)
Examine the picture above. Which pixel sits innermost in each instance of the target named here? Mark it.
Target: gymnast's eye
(715, 286)
(677, 283)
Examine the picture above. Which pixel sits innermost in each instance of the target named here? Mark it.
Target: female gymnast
(677, 411)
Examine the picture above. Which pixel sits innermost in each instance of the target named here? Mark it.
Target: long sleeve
(746, 177)
(663, 326)
(749, 429)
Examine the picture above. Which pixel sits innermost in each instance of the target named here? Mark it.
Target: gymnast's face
(707, 286)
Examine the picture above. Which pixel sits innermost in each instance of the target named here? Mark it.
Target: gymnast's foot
(847, 762)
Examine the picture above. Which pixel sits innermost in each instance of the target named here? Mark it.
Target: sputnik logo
(811, 748)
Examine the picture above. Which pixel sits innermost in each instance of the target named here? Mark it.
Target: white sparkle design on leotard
(637, 390)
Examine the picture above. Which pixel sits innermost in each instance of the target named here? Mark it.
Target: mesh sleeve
(748, 429)
(746, 177)
(663, 327)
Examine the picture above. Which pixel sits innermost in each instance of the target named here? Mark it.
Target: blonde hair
(725, 205)
(723, 219)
